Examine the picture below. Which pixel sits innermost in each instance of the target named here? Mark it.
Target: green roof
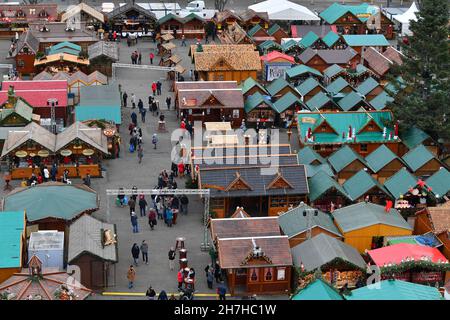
(289, 44)
(417, 157)
(337, 85)
(168, 17)
(249, 83)
(367, 86)
(413, 136)
(268, 44)
(343, 157)
(309, 39)
(395, 290)
(307, 155)
(318, 101)
(361, 183)
(285, 102)
(65, 44)
(379, 158)
(399, 184)
(12, 225)
(276, 86)
(340, 122)
(368, 40)
(318, 290)
(439, 182)
(333, 70)
(308, 85)
(274, 28)
(330, 38)
(254, 30)
(312, 170)
(336, 10)
(358, 71)
(51, 201)
(254, 101)
(365, 214)
(293, 222)
(64, 50)
(302, 69)
(350, 101)
(381, 101)
(321, 183)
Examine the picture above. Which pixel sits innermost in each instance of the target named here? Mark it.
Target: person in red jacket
(180, 279)
(154, 88)
(183, 125)
(152, 56)
(181, 169)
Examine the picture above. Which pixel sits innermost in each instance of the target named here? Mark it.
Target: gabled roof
(168, 17)
(337, 10)
(302, 69)
(312, 170)
(249, 14)
(337, 85)
(367, 86)
(379, 158)
(244, 227)
(395, 290)
(12, 226)
(330, 38)
(360, 183)
(289, 45)
(79, 131)
(333, 70)
(321, 183)
(307, 155)
(318, 101)
(439, 218)
(240, 213)
(365, 214)
(439, 182)
(381, 101)
(255, 100)
(323, 249)
(400, 183)
(83, 7)
(286, 101)
(350, 101)
(121, 10)
(330, 56)
(308, 85)
(269, 44)
(274, 28)
(273, 55)
(376, 61)
(292, 222)
(343, 157)
(277, 85)
(238, 57)
(102, 48)
(369, 40)
(27, 39)
(255, 29)
(225, 14)
(413, 137)
(309, 39)
(396, 253)
(318, 290)
(64, 44)
(250, 83)
(417, 157)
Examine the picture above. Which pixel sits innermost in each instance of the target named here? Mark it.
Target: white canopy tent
(406, 17)
(284, 10)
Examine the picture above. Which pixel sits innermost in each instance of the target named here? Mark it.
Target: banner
(274, 72)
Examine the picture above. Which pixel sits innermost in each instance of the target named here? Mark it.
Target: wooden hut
(370, 88)
(259, 108)
(359, 41)
(61, 62)
(131, 18)
(223, 18)
(379, 23)
(421, 161)
(309, 88)
(324, 58)
(15, 111)
(102, 55)
(93, 248)
(363, 187)
(346, 163)
(250, 86)
(84, 13)
(325, 193)
(348, 19)
(250, 18)
(364, 225)
(383, 163)
(24, 53)
(275, 65)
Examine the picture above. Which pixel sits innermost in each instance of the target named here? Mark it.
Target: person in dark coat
(158, 87)
(53, 172)
(210, 279)
(184, 201)
(134, 222)
(140, 105)
(168, 102)
(174, 169)
(125, 98)
(134, 118)
(151, 294)
(143, 112)
(152, 218)
(132, 204)
(162, 295)
(175, 203)
(217, 272)
(135, 251)
(142, 205)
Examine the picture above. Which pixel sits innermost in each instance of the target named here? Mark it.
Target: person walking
(168, 102)
(125, 98)
(181, 170)
(154, 88)
(180, 278)
(135, 253)
(217, 273)
(143, 112)
(142, 205)
(132, 204)
(172, 254)
(140, 153)
(183, 41)
(210, 279)
(152, 56)
(134, 222)
(222, 291)
(191, 75)
(46, 174)
(154, 140)
(132, 58)
(144, 251)
(140, 105)
(134, 118)
(169, 217)
(53, 172)
(139, 58)
(152, 218)
(131, 276)
(133, 101)
(151, 294)
(158, 87)
(184, 202)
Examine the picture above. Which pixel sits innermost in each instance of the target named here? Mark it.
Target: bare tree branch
(220, 4)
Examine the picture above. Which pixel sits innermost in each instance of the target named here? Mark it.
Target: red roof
(396, 253)
(36, 93)
(277, 55)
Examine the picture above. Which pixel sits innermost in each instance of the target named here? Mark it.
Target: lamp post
(52, 103)
(308, 214)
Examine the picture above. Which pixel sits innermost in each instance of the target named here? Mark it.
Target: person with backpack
(222, 291)
(152, 218)
(184, 201)
(151, 294)
(142, 205)
(154, 140)
(172, 253)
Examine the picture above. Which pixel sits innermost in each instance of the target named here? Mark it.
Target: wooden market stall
(131, 18)
(61, 62)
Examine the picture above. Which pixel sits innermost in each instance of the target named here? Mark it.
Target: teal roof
(365, 214)
(350, 101)
(321, 183)
(249, 83)
(340, 122)
(64, 50)
(293, 222)
(307, 155)
(330, 38)
(439, 182)
(368, 40)
(333, 70)
(289, 44)
(399, 184)
(381, 101)
(367, 86)
(12, 226)
(413, 136)
(254, 101)
(309, 39)
(169, 17)
(66, 44)
(254, 30)
(274, 28)
(358, 71)
(336, 10)
(395, 290)
(318, 101)
(276, 86)
(285, 102)
(379, 158)
(337, 85)
(52, 201)
(361, 183)
(308, 85)
(391, 86)
(268, 44)
(99, 102)
(417, 157)
(312, 170)
(343, 157)
(302, 69)
(318, 290)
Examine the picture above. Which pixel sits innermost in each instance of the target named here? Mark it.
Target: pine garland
(415, 265)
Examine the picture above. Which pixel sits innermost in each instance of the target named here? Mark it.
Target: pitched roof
(27, 39)
(274, 28)
(269, 44)
(250, 83)
(395, 290)
(244, 227)
(393, 55)
(361, 40)
(82, 7)
(350, 100)
(107, 49)
(312, 170)
(318, 290)
(240, 213)
(225, 14)
(286, 101)
(337, 85)
(254, 100)
(64, 47)
(309, 39)
(318, 101)
(333, 70)
(277, 55)
(330, 38)
(86, 236)
(302, 69)
(376, 61)
(417, 157)
(293, 222)
(249, 14)
(196, 94)
(323, 249)
(277, 85)
(289, 45)
(439, 182)
(380, 157)
(330, 56)
(308, 85)
(120, 11)
(56, 32)
(360, 183)
(381, 101)
(299, 31)
(337, 10)
(400, 183)
(440, 218)
(12, 226)
(343, 157)
(366, 214)
(237, 59)
(255, 29)
(413, 137)
(396, 253)
(79, 131)
(367, 86)
(52, 200)
(307, 155)
(321, 183)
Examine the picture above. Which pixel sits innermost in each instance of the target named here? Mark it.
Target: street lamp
(53, 103)
(308, 214)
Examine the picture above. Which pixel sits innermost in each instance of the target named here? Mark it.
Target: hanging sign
(21, 154)
(66, 152)
(88, 152)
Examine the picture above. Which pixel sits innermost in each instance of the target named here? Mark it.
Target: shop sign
(43, 153)
(274, 72)
(427, 277)
(109, 132)
(21, 154)
(308, 120)
(66, 152)
(88, 152)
